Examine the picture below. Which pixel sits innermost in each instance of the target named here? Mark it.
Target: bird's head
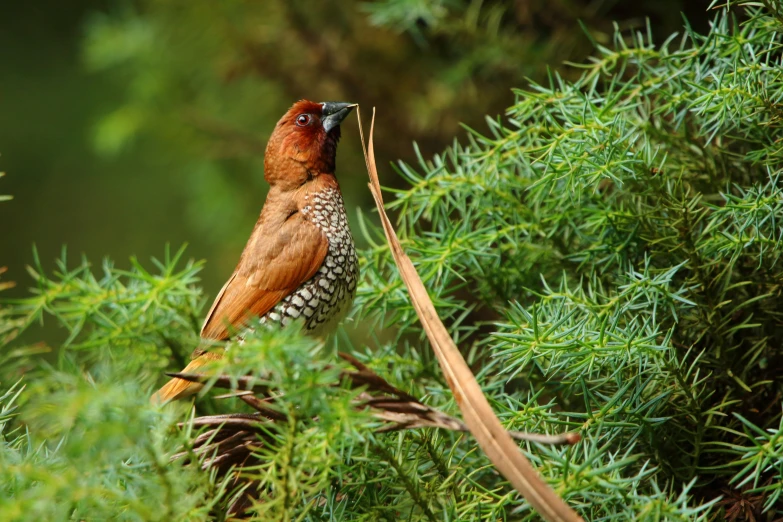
(304, 142)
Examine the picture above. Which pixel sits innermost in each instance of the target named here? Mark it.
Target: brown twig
(388, 403)
(232, 441)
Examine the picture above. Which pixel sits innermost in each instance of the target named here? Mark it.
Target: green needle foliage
(624, 229)
(607, 256)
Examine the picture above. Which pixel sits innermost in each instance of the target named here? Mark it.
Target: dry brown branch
(234, 441)
(479, 417)
(398, 409)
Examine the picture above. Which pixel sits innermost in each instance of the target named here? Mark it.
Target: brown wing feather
(282, 253)
(272, 266)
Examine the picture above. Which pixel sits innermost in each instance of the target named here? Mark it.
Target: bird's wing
(273, 266)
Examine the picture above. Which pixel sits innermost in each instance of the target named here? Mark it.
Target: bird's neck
(292, 174)
(316, 184)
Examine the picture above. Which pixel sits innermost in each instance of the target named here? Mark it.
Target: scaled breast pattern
(325, 298)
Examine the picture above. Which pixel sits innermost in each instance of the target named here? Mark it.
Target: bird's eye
(303, 120)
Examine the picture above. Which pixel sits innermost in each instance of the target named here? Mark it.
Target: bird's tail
(178, 388)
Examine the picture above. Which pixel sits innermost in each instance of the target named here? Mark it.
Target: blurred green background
(130, 124)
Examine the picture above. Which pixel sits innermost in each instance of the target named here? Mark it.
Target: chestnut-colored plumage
(299, 262)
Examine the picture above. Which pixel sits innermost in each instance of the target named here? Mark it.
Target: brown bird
(300, 262)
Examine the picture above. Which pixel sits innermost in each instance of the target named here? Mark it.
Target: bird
(300, 262)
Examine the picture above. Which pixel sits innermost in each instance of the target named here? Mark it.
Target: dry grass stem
(479, 417)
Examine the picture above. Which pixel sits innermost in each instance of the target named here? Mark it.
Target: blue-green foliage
(625, 231)
(607, 256)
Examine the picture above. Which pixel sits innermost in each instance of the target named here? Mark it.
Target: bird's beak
(334, 113)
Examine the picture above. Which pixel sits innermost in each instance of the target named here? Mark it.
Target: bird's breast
(322, 301)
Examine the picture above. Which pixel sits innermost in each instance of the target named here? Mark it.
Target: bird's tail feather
(178, 388)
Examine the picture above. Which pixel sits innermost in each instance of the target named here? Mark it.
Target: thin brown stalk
(479, 417)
